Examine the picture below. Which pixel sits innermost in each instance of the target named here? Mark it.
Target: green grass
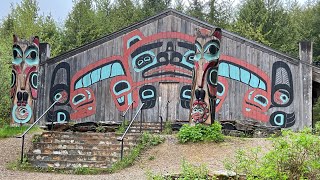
(8, 131)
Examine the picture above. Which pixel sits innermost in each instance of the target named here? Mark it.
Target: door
(169, 102)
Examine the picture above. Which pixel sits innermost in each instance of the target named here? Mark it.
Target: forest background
(279, 24)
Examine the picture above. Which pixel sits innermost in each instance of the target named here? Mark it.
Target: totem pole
(24, 79)
(205, 76)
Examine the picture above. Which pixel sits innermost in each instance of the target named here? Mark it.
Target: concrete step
(63, 146)
(68, 157)
(69, 164)
(78, 135)
(87, 152)
(137, 130)
(88, 140)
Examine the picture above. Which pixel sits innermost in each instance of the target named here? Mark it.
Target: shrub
(123, 126)
(200, 132)
(189, 172)
(167, 128)
(294, 156)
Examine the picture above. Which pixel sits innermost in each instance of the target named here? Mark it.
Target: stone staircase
(79, 149)
(67, 150)
(151, 127)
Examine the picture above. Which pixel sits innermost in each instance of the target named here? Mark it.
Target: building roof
(163, 14)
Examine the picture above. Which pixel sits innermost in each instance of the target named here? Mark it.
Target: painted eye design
(34, 80)
(213, 49)
(17, 56)
(32, 55)
(13, 79)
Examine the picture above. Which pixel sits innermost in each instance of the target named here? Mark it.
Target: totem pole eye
(33, 79)
(13, 79)
(15, 54)
(213, 49)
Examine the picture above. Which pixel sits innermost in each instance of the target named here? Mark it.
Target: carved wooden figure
(205, 76)
(24, 79)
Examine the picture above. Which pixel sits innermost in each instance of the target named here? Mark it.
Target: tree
(196, 9)
(152, 7)
(80, 26)
(219, 13)
(179, 5)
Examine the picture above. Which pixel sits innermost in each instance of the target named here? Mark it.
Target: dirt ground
(165, 158)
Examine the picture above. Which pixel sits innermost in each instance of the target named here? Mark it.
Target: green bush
(200, 132)
(167, 128)
(189, 172)
(123, 126)
(294, 156)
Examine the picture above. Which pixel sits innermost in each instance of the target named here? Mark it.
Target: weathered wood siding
(256, 94)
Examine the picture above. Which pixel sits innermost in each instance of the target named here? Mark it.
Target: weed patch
(294, 156)
(8, 131)
(200, 132)
(189, 172)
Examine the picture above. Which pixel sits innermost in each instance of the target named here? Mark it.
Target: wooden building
(151, 62)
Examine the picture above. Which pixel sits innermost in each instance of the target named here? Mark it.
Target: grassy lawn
(8, 131)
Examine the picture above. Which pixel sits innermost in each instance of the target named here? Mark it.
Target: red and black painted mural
(24, 78)
(167, 57)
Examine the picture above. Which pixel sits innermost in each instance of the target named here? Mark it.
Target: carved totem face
(24, 78)
(205, 76)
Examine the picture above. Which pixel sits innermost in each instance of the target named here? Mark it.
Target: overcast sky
(59, 9)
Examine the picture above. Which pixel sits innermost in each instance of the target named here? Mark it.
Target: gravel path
(165, 158)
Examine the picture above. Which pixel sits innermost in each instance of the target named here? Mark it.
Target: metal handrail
(121, 138)
(124, 114)
(26, 131)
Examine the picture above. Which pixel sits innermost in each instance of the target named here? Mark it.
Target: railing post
(141, 121)
(26, 131)
(161, 121)
(121, 153)
(131, 112)
(167, 115)
(22, 147)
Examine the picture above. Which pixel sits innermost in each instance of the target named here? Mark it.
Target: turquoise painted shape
(147, 96)
(121, 99)
(59, 119)
(281, 119)
(234, 72)
(105, 72)
(191, 58)
(27, 110)
(29, 61)
(131, 39)
(255, 99)
(254, 81)
(95, 75)
(262, 85)
(86, 80)
(129, 98)
(184, 94)
(123, 90)
(223, 70)
(244, 76)
(79, 84)
(17, 61)
(116, 70)
(136, 58)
